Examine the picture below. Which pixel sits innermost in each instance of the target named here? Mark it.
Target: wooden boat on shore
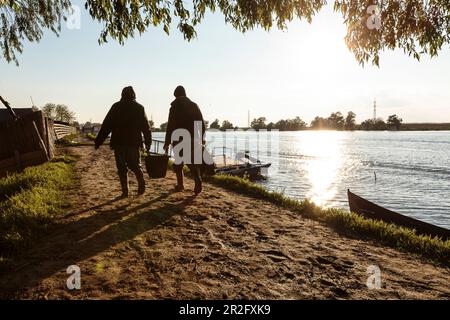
(373, 211)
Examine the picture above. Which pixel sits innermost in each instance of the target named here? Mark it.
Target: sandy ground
(220, 245)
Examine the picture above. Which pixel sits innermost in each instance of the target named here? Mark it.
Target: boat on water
(371, 210)
(242, 164)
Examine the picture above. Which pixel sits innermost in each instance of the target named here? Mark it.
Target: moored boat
(240, 165)
(371, 210)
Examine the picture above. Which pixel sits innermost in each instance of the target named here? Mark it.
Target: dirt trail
(220, 245)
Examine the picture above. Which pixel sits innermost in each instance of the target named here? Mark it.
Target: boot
(180, 184)
(178, 188)
(141, 182)
(198, 187)
(198, 180)
(124, 185)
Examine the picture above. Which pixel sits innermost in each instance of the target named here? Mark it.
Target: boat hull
(373, 211)
(253, 172)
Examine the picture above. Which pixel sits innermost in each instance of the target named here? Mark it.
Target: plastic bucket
(156, 165)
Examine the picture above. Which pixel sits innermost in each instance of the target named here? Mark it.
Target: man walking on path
(185, 114)
(127, 122)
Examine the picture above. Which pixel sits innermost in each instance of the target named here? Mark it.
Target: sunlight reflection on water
(413, 168)
(325, 148)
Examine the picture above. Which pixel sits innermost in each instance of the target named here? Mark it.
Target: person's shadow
(97, 207)
(68, 244)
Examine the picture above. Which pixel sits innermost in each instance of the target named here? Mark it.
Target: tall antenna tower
(375, 109)
(248, 119)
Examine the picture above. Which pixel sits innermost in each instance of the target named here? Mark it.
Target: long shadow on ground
(67, 244)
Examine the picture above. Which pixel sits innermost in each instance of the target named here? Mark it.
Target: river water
(408, 172)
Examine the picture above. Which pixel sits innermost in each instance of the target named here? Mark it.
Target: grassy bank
(77, 140)
(31, 200)
(349, 224)
(69, 140)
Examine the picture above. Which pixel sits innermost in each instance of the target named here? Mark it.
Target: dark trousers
(128, 157)
(195, 169)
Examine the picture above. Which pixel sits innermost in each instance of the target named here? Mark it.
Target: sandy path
(220, 245)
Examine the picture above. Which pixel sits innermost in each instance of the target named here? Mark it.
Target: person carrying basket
(127, 122)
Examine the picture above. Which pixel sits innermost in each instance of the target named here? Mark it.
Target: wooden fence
(63, 129)
(29, 141)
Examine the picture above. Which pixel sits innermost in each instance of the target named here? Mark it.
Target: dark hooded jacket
(182, 115)
(127, 122)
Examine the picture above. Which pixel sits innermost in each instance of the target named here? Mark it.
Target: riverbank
(346, 223)
(220, 245)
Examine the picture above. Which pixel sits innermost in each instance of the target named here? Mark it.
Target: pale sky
(304, 71)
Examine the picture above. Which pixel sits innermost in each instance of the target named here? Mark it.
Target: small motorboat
(241, 165)
(373, 211)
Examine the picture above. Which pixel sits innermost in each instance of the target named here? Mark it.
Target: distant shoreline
(404, 127)
(425, 127)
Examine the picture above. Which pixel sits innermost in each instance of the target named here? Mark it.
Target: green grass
(91, 136)
(68, 141)
(31, 200)
(345, 222)
(71, 137)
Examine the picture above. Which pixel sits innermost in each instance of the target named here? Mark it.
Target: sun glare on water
(324, 150)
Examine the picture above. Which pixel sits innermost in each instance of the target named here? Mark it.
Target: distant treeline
(336, 121)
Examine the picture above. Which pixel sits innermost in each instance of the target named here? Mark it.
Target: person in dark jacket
(185, 114)
(127, 122)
